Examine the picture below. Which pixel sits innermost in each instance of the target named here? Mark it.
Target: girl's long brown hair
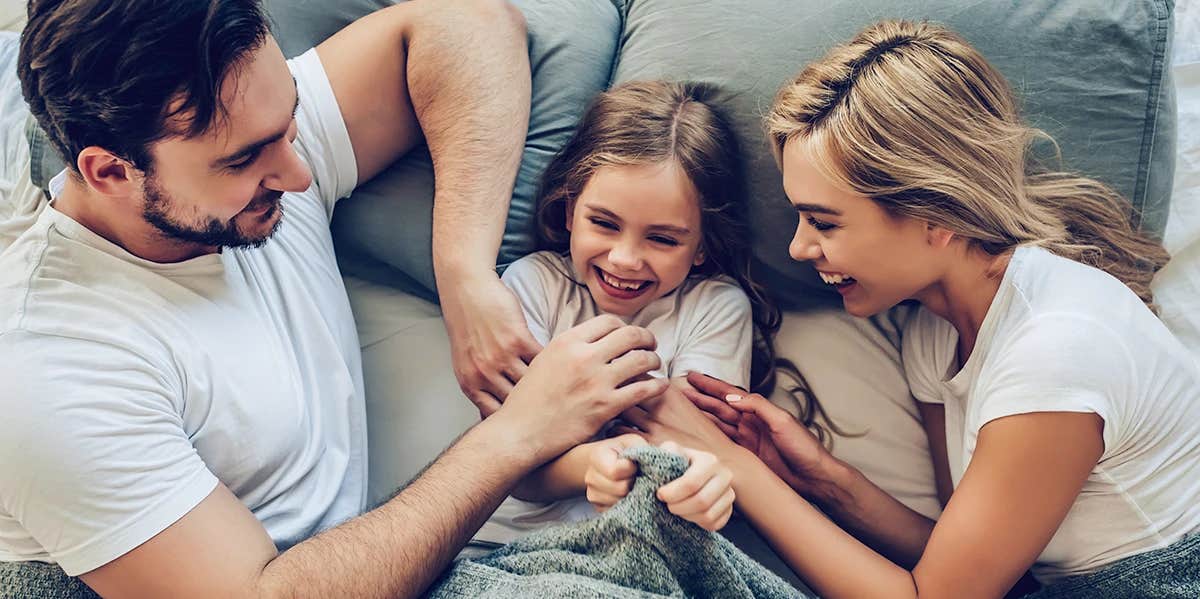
(651, 122)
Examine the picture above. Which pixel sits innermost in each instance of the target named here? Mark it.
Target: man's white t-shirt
(131, 388)
(1061, 336)
(705, 325)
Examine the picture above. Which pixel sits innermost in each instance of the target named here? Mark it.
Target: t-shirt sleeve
(533, 281)
(716, 334)
(927, 348)
(93, 456)
(322, 141)
(1059, 363)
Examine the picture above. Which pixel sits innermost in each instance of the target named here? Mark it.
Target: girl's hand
(704, 494)
(609, 476)
(789, 449)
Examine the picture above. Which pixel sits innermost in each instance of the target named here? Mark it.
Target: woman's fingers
(715, 406)
(711, 386)
(778, 420)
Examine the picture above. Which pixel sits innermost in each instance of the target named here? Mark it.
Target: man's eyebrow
(816, 208)
(254, 146)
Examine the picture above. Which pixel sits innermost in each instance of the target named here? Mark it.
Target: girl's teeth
(619, 284)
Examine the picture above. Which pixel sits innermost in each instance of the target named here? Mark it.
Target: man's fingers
(498, 386)
(711, 386)
(624, 341)
(486, 403)
(635, 393)
(632, 365)
(528, 347)
(515, 370)
(591, 330)
(715, 406)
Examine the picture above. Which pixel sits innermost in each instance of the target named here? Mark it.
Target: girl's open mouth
(618, 287)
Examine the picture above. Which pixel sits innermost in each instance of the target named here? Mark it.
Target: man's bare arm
(394, 551)
(455, 72)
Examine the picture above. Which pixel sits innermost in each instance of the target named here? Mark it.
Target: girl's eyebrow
(665, 228)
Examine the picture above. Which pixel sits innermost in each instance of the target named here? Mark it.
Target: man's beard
(215, 233)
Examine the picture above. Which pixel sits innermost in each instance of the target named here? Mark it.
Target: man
(182, 393)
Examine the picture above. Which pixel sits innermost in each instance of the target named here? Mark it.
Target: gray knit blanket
(1168, 573)
(636, 549)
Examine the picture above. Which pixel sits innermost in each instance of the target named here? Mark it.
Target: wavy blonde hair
(912, 116)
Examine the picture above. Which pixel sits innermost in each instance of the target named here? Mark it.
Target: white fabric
(1062, 336)
(706, 325)
(132, 388)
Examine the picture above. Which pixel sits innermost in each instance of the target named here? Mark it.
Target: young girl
(643, 217)
(1063, 416)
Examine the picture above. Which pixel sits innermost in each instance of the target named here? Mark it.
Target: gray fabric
(1167, 573)
(39, 580)
(636, 549)
(1092, 74)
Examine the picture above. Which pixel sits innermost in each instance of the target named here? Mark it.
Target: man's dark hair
(124, 74)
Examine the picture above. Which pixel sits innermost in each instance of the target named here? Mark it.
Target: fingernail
(733, 397)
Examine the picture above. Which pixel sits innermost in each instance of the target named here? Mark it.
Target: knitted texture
(1167, 573)
(636, 549)
(39, 580)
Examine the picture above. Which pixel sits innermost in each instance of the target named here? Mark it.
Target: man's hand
(584, 378)
(489, 340)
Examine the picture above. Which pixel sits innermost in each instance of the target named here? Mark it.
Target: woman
(1062, 413)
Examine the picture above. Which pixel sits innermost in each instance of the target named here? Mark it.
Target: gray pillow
(1092, 74)
(383, 231)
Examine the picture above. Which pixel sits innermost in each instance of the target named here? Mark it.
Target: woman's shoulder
(1048, 283)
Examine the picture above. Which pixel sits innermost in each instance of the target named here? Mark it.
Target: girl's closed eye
(821, 225)
(604, 224)
(668, 241)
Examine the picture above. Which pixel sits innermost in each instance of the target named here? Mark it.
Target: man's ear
(106, 173)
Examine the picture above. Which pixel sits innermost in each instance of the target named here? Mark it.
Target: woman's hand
(789, 449)
(609, 476)
(704, 494)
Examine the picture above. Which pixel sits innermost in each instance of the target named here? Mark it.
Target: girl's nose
(625, 256)
(804, 246)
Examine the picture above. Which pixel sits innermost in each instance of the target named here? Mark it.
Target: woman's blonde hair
(912, 116)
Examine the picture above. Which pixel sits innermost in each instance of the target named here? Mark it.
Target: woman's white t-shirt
(1061, 336)
(705, 325)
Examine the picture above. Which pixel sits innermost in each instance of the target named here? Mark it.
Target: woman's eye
(664, 240)
(599, 222)
(820, 225)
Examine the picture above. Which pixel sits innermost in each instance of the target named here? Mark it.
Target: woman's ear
(938, 236)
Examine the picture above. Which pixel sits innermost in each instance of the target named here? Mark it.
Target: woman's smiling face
(635, 234)
(874, 258)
